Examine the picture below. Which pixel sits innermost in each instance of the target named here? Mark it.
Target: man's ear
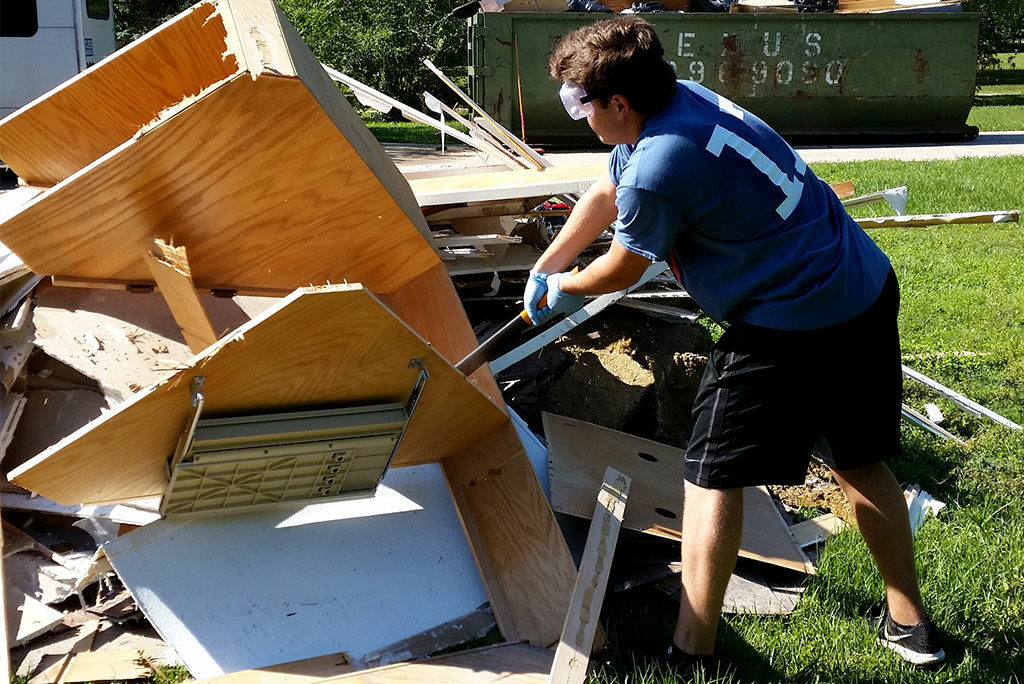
(619, 104)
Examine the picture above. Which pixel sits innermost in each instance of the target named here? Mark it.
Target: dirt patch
(818, 491)
(604, 387)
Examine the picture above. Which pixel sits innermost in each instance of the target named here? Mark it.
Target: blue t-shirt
(751, 233)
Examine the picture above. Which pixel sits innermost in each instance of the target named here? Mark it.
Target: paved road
(998, 144)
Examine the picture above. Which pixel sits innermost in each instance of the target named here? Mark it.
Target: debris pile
(233, 435)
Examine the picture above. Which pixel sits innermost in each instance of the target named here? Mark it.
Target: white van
(45, 42)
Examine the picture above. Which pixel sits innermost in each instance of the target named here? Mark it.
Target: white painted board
(251, 590)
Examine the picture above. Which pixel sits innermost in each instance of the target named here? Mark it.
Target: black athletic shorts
(769, 396)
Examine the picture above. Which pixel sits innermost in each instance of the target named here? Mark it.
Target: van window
(98, 9)
(18, 18)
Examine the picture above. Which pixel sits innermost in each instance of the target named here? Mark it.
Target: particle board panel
(504, 664)
(267, 177)
(507, 185)
(579, 452)
(323, 346)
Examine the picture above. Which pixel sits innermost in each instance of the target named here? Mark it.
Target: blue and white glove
(558, 302)
(536, 288)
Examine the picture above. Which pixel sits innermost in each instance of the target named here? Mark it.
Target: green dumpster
(810, 76)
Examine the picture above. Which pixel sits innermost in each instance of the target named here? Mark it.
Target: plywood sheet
(579, 452)
(267, 177)
(318, 347)
(505, 185)
(87, 116)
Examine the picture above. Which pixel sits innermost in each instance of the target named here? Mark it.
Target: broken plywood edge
(507, 663)
(170, 269)
(82, 644)
(817, 529)
(277, 178)
(573, 653)
(507, 185)
(42, 142)
(307, 671)
(353, 351)
(578, 451)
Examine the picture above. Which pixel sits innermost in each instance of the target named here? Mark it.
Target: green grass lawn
(962, 291)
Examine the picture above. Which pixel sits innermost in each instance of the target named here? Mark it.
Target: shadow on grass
(998, 99)
(1000, 76)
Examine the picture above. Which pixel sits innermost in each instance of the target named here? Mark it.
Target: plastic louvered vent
(252, 461)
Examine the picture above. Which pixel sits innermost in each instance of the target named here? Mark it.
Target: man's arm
(589, 218)
(615, 270)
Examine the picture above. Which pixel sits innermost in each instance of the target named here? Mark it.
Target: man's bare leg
(712, 523)
(882, 517)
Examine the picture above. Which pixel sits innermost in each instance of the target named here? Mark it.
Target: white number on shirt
(792, 188)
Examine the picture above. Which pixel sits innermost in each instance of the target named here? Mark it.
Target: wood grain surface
(505, 185)
(268, 177)
(97, 110)
(329, 346)
(579, 452)
(501, 664)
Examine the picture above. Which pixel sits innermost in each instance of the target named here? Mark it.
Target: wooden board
(170, 269)
(320, 346)
(580, 451)
(522, 557)
(268, 177)
(501, 664)
(922, 220)
(99, 666)
(573, 653)
(507, 185)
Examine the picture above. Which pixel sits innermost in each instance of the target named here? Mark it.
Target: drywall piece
(752, 595)
(243, 150)
(573, 653)
(894, 197)
(314, 670)
(10, 414)
(817, 529)
(373, 572)
(137, 513)
(83, 642)
(922, 220)
(27, 617)
(579, 452)
(920, 504)
(352, 351)
(507, 185)
(501, 664)
(15, 348)
(125, 341)
(48, 417)
(169, 266)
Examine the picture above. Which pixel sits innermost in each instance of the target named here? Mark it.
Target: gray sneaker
(917, 644)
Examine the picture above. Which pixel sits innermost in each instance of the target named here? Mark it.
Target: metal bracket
(196, 388)
(417, 388)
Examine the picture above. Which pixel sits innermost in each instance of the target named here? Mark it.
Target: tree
(1001, 30)
(383, 42)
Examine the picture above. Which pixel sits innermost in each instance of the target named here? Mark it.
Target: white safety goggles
(576, 101)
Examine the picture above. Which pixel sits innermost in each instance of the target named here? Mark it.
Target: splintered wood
(245, 153)
(170, 269)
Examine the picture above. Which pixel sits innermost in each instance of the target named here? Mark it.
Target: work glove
(536, 288)
(558, 302)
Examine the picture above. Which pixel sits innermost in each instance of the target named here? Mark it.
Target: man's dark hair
(620, 56)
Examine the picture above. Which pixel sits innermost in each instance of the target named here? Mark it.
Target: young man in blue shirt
(810, 356)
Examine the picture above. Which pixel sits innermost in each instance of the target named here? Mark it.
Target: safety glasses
(576, 101)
